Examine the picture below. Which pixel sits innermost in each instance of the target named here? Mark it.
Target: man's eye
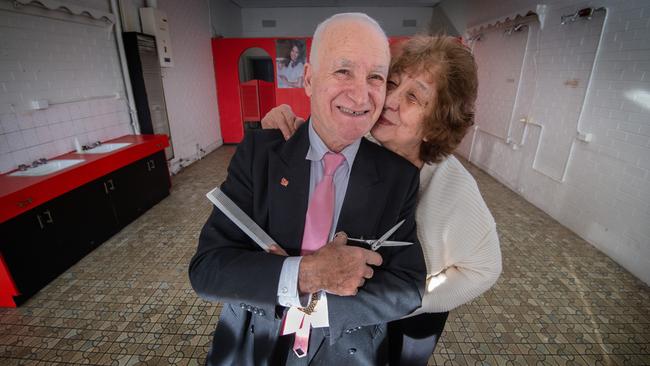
(377, 77)
(343, 72)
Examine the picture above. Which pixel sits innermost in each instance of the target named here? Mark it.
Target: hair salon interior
(118, 116)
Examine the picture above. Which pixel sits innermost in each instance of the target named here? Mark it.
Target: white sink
(104, 148)
(50, 167)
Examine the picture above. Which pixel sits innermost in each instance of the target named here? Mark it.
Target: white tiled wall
(605, 196)
(190, 89)
(501, 58)
(72, 65)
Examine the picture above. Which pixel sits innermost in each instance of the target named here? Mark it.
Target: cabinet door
(125, 188)
(27, 247)
(156, 178)
(98, 221)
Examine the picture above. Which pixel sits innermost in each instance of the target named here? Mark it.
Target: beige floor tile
(559, 301)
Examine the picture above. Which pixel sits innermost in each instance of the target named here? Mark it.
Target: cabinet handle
(40, 222)
(109, 186)
(25, 202)
(49, 217)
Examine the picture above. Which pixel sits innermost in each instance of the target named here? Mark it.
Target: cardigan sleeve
(458, 237)
(466, 279)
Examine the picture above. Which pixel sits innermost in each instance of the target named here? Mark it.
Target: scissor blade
(390, 243)
(365, 241)
(383, 238)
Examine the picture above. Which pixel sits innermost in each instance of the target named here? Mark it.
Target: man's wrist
(307, 276)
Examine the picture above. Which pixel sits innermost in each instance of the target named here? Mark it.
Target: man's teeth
(350, 111)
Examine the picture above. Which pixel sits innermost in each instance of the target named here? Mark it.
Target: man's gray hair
(320, 29)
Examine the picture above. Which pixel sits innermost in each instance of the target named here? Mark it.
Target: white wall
(301, 22)
(225, 19)
(455, 11)
(190, 89)
(63, 62)
(440, 23)
(605, 195)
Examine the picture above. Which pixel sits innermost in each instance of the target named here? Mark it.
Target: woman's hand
(283, 118)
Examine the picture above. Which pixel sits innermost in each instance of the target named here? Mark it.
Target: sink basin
(50, 167)
(104, 148)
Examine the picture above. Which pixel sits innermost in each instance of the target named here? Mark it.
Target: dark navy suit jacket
(230, 268)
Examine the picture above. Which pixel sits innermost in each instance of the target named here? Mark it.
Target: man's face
(348, 85)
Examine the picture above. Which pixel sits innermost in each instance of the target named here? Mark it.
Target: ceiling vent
(409, 23)
(268, 23)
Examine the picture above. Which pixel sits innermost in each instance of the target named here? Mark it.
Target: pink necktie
(317, 229)
(318, 222)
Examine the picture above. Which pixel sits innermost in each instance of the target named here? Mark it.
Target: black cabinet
(42, 243)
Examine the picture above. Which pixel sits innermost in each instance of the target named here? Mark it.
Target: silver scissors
(375, 244)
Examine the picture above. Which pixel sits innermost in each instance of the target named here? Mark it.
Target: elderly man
(328, 301)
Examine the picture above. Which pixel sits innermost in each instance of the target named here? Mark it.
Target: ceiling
(332, 3)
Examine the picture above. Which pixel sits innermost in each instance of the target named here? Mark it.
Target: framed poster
(290, 62)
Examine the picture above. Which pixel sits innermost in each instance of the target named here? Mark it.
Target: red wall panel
(226, 53)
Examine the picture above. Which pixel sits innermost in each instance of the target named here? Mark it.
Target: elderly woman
(429, 107)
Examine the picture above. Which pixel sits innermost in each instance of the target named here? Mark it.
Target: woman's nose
(392, 100)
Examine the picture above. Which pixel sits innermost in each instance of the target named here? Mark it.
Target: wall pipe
(580, 135)
(135, 125)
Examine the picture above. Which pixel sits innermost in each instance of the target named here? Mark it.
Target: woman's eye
(391, 84)
(413, 98)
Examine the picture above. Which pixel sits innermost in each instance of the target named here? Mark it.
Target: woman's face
(294, 53)
(409, 98)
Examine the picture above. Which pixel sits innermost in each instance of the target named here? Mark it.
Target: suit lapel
(288, 182)
(364, 197)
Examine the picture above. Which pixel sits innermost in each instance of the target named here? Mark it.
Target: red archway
(226, 53)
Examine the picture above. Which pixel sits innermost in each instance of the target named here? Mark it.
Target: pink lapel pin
(284, 182)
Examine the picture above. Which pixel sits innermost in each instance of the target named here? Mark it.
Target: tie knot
(332, 161)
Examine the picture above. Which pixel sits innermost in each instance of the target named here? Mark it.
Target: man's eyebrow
(382, 69)
(344, 62)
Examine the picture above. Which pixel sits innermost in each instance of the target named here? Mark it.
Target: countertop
(20, 194)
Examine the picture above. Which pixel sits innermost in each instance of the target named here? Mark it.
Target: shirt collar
(317, 147)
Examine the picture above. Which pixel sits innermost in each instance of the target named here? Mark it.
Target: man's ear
(307, 78)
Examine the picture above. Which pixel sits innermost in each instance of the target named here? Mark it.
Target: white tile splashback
(51, 132)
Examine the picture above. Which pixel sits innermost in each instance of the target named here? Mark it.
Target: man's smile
(352, 112)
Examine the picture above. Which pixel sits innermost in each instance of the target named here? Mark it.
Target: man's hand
(282, 117)
(277, 250)
(337, 268)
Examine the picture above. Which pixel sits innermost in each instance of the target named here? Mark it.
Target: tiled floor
(559, 301)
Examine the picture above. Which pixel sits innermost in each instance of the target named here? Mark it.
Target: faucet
(91, 146)
(38, 162)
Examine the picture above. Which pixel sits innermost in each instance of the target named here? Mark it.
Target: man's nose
(359, 91)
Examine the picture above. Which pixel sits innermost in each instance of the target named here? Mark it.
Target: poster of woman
(290, 62)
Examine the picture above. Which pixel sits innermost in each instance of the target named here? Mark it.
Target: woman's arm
(466, 279)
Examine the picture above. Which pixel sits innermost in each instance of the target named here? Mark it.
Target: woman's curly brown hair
(452, 67)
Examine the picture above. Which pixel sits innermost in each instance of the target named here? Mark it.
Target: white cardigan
(458, 237)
